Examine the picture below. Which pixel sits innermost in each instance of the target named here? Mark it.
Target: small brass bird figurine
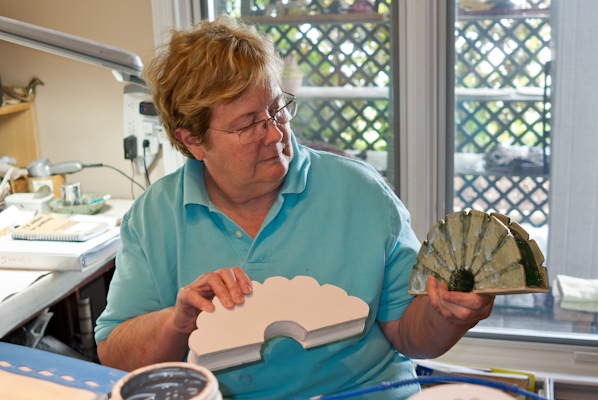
(17, 94)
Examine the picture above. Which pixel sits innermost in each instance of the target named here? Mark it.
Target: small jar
(172, 380)
(71, 194)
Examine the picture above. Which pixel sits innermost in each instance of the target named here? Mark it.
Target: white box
(27, 202)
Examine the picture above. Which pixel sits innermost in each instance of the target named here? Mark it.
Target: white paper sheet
(13, 281)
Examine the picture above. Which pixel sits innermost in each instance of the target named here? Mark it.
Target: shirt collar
(194, 185)
(296, 179)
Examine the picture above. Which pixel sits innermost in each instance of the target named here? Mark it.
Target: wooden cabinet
(18, 133)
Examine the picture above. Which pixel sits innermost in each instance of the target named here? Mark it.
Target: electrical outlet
(130, 147)
(141, 121)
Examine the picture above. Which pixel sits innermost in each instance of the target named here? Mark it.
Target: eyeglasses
(257, 130)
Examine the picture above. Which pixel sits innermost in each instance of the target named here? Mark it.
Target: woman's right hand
(230, 285)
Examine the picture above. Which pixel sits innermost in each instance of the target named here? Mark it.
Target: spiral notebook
(46, 227)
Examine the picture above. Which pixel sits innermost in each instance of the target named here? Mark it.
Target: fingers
(465, 300)
(188, 297)
(189, 304)
(462, 308)
(230, 285)
(243, 280)
(226, 287)
(435, 293)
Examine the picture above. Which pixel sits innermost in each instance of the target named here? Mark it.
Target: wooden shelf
(342, 92)
(507, 94)
(316, 19)
(507, 13)
(18, 133)
(12, 108)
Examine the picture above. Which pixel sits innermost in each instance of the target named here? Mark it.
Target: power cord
(116, 169)
(146, 144)
(132, 174)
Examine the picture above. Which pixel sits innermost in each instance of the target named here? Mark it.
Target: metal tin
(171, 380)
(71, 194)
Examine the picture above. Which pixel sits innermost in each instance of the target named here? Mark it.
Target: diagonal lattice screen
(504, 48)
(340, 55)
(332, 52)
(501, 48)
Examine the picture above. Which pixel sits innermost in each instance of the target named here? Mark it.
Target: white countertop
(52, 287)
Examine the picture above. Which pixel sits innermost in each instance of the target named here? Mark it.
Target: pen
(106, 197)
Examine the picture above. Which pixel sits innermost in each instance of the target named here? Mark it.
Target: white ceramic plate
(461, 391)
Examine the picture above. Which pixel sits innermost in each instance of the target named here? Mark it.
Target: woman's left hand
(462, 309)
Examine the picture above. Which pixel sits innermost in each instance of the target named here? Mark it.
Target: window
(523, 144)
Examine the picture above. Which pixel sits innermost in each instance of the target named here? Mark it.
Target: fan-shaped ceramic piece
(474, 251)
(299, 308)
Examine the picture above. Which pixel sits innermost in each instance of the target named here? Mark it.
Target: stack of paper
(59, 255)
(13, 281)
(45, 255)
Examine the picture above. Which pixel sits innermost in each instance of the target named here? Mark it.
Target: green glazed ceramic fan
(483, 253)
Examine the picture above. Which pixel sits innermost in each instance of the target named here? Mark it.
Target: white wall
(79, 109)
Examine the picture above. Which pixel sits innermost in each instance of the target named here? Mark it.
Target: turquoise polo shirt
(335, 220)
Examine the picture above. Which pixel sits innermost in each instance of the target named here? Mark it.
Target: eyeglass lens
(281, 116)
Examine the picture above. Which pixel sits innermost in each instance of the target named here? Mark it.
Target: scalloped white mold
(299, 308)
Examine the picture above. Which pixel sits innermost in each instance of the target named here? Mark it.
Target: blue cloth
(335, 219)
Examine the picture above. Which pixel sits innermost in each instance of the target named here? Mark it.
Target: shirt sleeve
(402, 253)
(133, 290)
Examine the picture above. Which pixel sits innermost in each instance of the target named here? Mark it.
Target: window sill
(564, 363)
(382, 92)
(342, 92)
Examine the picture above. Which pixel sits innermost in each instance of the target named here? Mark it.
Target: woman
(251, 203)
